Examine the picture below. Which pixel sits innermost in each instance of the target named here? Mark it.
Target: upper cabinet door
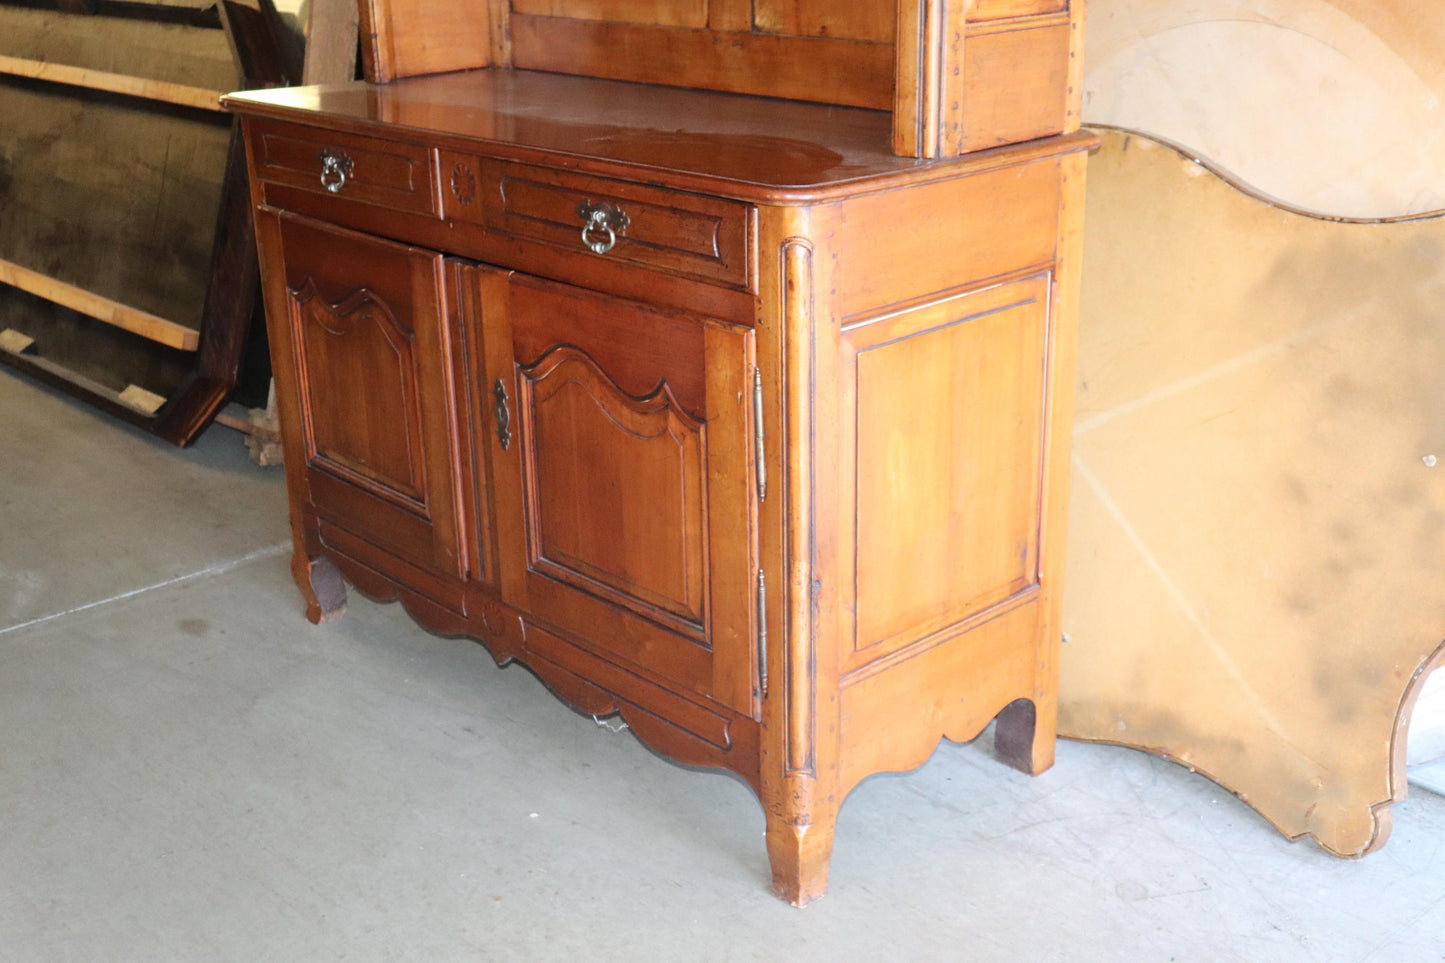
(621, 440)
(371, 335)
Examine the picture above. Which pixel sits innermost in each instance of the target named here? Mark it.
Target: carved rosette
(464, 184)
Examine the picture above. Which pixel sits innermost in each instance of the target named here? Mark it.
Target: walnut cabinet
(708, 409)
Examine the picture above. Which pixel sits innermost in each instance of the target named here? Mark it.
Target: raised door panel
(371, 339)
(945, 463)
(627, 457)
(616, 487)
(356, 342)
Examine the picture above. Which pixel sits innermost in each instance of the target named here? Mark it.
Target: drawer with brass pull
(706, 238)
(387, 173)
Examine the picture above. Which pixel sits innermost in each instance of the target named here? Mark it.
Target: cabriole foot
(800, 856)
(321, 586)
(1020, 742)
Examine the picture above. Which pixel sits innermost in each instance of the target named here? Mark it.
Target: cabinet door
(624, 478)
(370, 334)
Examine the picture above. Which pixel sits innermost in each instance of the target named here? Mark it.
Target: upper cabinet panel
(1005, 9)
(406, 38)
(662, 13)
(826, 18)
(820, 69)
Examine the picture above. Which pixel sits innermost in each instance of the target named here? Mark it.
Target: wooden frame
(231, 294)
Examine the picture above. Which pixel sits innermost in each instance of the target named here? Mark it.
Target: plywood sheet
(1330, 105)
(1257, 547)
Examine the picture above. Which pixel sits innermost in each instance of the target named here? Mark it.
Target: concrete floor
(189, 771)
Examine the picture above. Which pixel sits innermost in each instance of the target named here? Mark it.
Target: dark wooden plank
(263, 54)
(92, 350)
(331, 47)
(231, 304)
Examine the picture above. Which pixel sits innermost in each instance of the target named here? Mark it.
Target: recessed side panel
(948, 457)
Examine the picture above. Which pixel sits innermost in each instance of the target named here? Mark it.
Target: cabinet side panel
(406, 38)
(893, 719)
(948, 435)
(1016, 85)
(914, 243)
(1009, 9)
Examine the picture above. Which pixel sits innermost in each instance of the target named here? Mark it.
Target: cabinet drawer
(687, 234)
(387, 173)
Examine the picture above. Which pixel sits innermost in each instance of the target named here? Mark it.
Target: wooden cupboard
(710, 409)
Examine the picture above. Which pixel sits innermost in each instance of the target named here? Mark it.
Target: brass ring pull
(336, 167)
(602, 218)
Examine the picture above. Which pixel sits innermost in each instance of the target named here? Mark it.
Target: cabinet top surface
(749, 147)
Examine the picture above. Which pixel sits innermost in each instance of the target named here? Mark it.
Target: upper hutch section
(958, 75)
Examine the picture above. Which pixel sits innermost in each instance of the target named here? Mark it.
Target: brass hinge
(760, 449)
(762, 633)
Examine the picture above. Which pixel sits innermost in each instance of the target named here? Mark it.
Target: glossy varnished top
(751, 148)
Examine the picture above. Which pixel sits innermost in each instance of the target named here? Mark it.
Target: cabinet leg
(1019, 741)
(800, 855)
(321, 586)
